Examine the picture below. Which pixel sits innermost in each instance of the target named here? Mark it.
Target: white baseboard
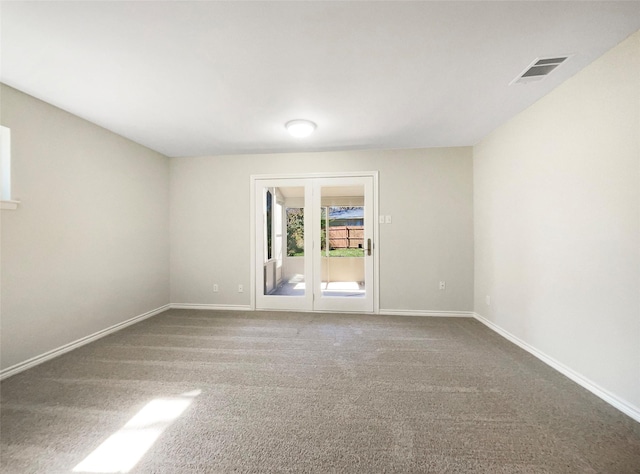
(437, 314)
(217, 307)
(27, 364)
(616, 402)
(389, 312)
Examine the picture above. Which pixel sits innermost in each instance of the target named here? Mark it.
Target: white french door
(283, 266)
(314, 243)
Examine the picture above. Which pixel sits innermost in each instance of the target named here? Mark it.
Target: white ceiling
(200, 78)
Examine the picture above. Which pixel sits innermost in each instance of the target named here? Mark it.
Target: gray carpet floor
(309, 392)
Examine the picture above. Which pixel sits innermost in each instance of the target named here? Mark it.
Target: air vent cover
(539, 69)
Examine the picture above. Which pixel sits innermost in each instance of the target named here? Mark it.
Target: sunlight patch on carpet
(123, 449)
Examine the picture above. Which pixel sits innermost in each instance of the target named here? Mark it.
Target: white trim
(376, 242)
(334, 174)
(252, 239)
(436, 314)
(37, 360)
(10, 205)
(215, 307)
(317, 311)
(384, 312)
(613, 400)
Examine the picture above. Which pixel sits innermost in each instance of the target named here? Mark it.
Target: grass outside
(338, 253)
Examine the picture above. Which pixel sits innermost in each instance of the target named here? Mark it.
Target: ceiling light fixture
(300, 128)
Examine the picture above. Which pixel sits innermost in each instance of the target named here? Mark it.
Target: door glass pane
(284, 265)
(342, 244)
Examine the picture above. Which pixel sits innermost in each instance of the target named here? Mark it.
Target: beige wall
(428, 193)
(88, 246)
(557, 224)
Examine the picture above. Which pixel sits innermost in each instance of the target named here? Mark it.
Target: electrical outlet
(443, 285)
(240, 289)
(381, 219)
(488, 300)
(215, 287)
(387, 219)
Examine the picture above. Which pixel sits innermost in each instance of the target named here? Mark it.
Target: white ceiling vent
(539, 69)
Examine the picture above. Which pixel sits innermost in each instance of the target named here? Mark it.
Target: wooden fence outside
(346, 236)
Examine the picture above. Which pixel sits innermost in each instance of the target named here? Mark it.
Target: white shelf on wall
(9, 205)
(5, 170)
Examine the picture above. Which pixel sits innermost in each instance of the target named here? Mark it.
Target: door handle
(369, 247)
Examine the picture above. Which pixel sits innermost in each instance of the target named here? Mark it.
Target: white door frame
(375, 225)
